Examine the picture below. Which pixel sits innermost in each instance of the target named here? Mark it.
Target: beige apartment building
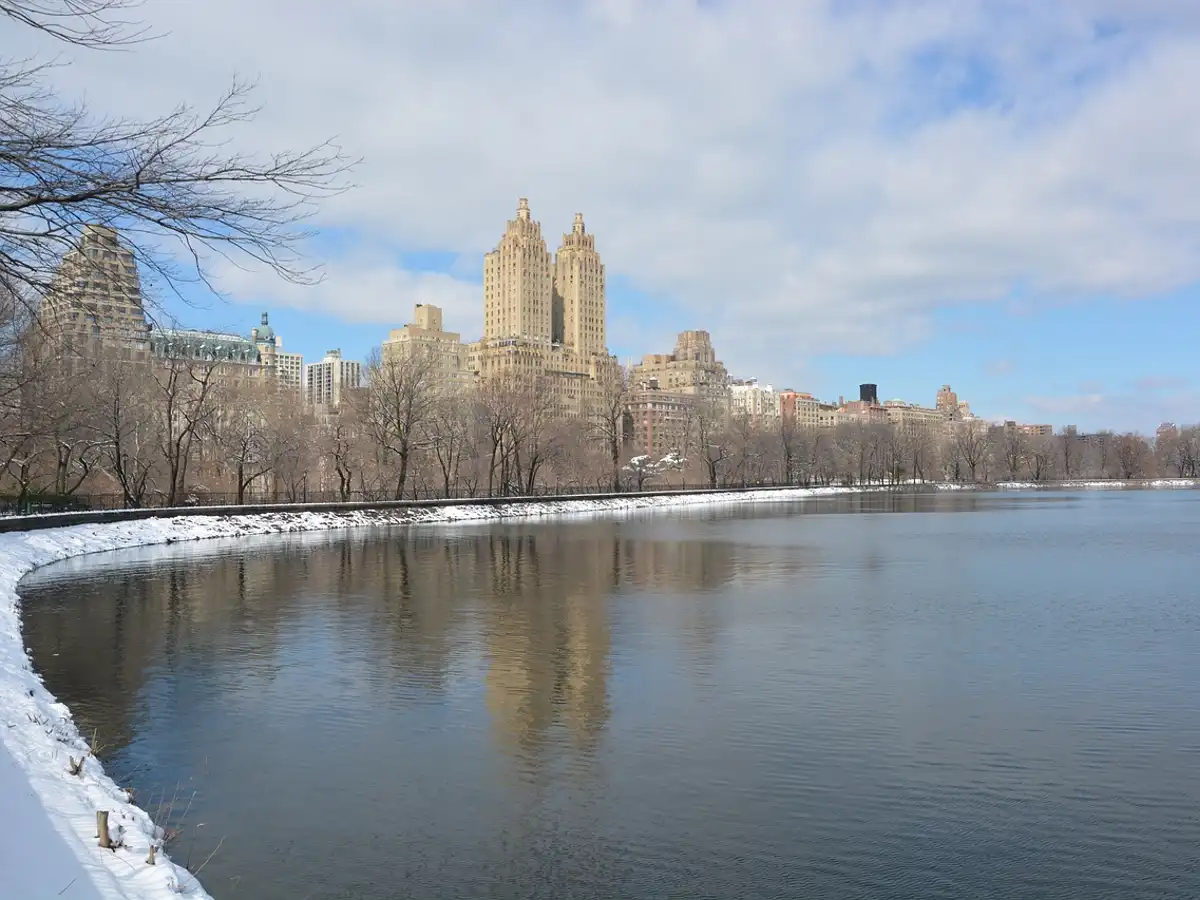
(912, 419)
(748, 398)
(666, 388)
(692, 369)
(1030, 430)
(545, 318)
(96, 293)
(425, 334)
(831, 415)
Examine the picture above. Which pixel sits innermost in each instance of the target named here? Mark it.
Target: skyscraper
(326, 382)
(579, 292)
(517, 286)
(544, 321)
(96, 292)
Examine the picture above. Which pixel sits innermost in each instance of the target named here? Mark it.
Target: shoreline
(39, 735)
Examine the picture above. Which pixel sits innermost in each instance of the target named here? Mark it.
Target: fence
(213, 505)
(33, 504)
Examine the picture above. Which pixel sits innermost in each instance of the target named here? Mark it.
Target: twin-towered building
(527, 296)
(543, 319)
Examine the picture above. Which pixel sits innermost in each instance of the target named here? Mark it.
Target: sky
(998, 195)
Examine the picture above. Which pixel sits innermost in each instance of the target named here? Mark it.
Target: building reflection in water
(529, 603)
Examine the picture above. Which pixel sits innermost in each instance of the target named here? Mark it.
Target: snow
(1109, 485)
(50, 849)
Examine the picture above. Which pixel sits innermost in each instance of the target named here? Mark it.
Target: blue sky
(996, 195)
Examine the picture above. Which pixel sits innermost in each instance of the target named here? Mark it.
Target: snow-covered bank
(38, 733)
(1106, 485)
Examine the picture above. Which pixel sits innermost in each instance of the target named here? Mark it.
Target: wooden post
(102, 828)
(150, 858)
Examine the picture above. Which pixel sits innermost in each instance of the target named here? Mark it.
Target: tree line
(108, 426)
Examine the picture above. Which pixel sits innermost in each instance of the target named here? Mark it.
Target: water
(933, 697)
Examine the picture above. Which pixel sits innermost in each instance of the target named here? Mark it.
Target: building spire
(578, 226)
(523, 209)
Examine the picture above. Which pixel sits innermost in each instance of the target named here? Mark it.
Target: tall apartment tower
(517, 283)
(326, 382)
(947, 403)
(96, 291)
(579, 307)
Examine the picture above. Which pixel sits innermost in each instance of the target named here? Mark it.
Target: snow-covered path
(35, 860)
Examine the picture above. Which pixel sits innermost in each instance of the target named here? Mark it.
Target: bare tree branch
(182, 196)
(94, 24)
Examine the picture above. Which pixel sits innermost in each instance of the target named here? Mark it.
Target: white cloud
(822, 174)
(360, 287)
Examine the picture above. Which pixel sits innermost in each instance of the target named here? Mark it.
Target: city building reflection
(524, 609)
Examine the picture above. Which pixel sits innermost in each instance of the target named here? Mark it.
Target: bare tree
(971, 444)
(183, 402)
(290, 449)
(126, 426)
(1098, 455)
(498, 402)
(790, 440)
(741, 432)
(170, 184)
(449, 434)
(1188, 458)
(534, 431)
(245, 434)
(893, 453)
(1070, 451)
(23, 359)
(402, 393)
(1042, 453)
(607, 415)
(1013, 450)
(68, 394)
(1132, 454)
(919, 449)
(341, 451)
(710, 438)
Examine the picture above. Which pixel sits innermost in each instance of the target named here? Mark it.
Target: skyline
(910, 199)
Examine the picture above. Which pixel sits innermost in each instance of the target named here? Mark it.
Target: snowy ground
(1110, 485)
(50, 849)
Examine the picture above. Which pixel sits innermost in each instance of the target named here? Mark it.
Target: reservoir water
(933, 696)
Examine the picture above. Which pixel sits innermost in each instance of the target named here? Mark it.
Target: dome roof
(266, 334)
